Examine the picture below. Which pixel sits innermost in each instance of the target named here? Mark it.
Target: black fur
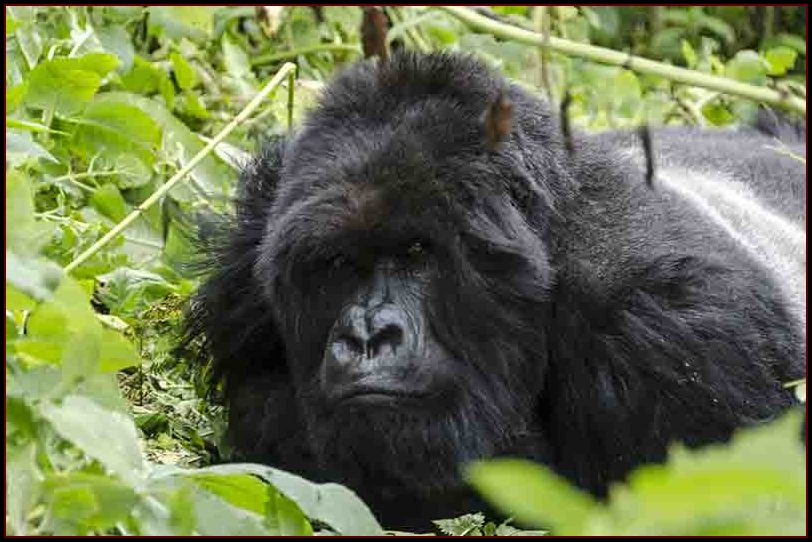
(593, 320)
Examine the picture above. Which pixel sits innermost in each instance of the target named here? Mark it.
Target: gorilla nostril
(347, 348)
(385, 341)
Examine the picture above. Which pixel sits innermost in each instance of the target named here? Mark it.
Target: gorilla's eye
(338, 261)
(417, 250)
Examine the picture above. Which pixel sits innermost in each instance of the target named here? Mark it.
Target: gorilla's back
(737, 194)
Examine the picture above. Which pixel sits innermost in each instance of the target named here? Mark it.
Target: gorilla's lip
(375, 394)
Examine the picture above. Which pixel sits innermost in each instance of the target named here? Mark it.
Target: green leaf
(689, 54)
(116, 40)
(185, 74)
(235, 59)
(63, 331)
(147, 78)
(781, 59)
(748, 66)
(65, 85)
(16, 300)
(210, 173)
(88, 502)
(34, 277)
(756, 487)
(241, 490)
(23, 479)
(286, 517)
(216, 517)
(111, 129)
(107, 436)
(193, 107)
(20, 148)
(116, 352)
(532, 494)
(790, 40)
(27, 35)
(717, 114)
(333, 504)
(14, 97)
(12, 24)
(195, 22)
(109, 202)
(26, 236)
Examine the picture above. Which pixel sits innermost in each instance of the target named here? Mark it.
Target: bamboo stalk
(287, 70)
(635, 63)
(293, 53)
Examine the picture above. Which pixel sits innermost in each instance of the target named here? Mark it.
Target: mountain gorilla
(423, 276)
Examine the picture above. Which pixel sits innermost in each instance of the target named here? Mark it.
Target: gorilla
(423, 276)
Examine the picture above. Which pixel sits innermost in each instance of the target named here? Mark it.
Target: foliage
(106, 429)
(749, 487)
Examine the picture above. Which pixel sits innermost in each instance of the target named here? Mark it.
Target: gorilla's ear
(498, 120)
(228, 327)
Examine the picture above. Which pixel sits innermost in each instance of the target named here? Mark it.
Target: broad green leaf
(23, 479)
(111, 129)
(116, 352)
(216, 517)
(35, 279)
(87, 502)
(107, 436)
(29, 40)
(24, 235)
(65, 85)
(178, 140)
(17, 300)
(115, 39)
(14, 97)
(65, 331)
(333, 504)
(195, 22)
(185, 73)
(109, 202)
(235, 59)
(532, 494)
(12, 24)
(193, 107)
(733, 489)
(748, 66)
(241, 490)
(20, 148)
(286, 517)
(790, 40)
(717, 114)
(781, 59)
(100, 63)
(35, 383)
(147, 78)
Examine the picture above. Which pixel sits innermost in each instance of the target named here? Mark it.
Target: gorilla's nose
(369, 334)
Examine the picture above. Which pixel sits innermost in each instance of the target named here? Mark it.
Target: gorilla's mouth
(366, 394)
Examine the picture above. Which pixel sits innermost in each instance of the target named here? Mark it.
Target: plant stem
(293, 53)
(635, 63)
(32, 126)
(283, 72)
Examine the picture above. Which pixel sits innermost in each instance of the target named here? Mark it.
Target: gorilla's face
(402, 312)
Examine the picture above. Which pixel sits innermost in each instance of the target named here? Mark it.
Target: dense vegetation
(106, 428)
